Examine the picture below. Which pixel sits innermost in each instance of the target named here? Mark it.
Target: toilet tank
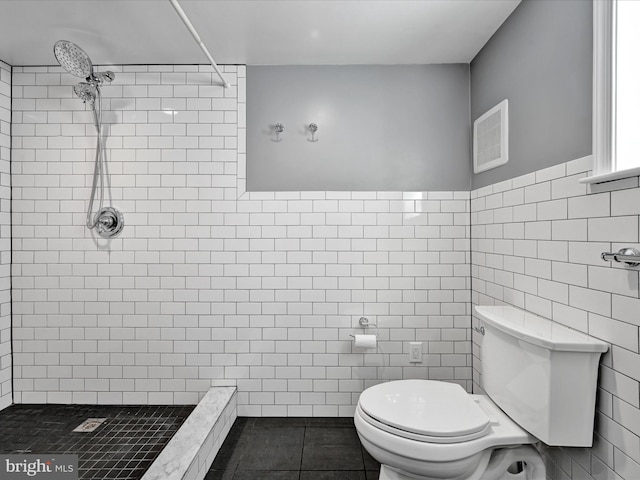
(540, 373)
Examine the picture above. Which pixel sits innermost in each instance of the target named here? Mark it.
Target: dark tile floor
(293, 449)
(122, 448)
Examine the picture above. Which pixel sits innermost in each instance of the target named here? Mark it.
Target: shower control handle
(110, 222)
(106, 222)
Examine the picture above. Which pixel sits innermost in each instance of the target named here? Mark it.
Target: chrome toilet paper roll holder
(365, 323)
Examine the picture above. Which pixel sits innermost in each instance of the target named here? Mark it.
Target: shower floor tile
(293, 449)
(122, 448)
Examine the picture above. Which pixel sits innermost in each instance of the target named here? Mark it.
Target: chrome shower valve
(110, 222)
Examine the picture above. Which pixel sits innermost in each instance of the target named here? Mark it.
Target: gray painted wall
(394, 128)
(541, 60)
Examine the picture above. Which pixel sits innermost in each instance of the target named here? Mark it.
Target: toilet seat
(396, 446)
(425, 411)
(414, 436)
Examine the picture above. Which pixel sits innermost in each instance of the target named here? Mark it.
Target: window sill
(611, 176)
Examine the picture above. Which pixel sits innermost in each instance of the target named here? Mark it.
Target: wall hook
(313, 128)
(278, 128)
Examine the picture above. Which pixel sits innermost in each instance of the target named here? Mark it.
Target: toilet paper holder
(366, 323)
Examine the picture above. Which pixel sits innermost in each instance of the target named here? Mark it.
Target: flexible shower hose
(98, 170)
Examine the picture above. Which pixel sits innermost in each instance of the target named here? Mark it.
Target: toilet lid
(425, 407)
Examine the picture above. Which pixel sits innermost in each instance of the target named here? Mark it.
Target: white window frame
(604, 94)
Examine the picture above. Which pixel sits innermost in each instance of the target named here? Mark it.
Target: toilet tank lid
(538, 330)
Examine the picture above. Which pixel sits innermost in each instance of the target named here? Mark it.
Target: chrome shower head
(85, 91)
(73, 59)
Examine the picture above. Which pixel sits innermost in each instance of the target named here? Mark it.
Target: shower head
(85, 91)
(73, 59)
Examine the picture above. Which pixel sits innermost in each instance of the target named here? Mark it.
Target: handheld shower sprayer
(107, 221)
(86, 92)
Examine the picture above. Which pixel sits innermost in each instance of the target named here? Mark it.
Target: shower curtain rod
(196, 37)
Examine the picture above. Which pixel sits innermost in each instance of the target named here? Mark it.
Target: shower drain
(90, 424)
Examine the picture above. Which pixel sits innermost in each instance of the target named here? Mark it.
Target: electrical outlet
(415, 352)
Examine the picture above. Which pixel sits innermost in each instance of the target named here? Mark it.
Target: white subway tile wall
(208, 284)
(536, 244)
(5, 235)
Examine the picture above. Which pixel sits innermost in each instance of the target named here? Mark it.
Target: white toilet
(541, 380)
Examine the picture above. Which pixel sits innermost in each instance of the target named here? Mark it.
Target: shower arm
(196, 37)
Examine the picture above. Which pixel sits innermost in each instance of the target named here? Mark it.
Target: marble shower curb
(191, 451)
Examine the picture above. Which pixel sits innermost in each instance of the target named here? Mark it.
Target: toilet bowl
(433, 430)
(436, 430)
